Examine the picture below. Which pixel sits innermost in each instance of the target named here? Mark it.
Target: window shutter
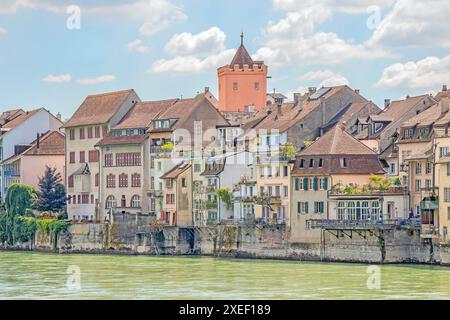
(306, 207)
(305, 184)
(299, 210)
(325, 183)
(296, 184)
(315, 184)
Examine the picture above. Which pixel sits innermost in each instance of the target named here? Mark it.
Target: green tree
(51, 195)
(19, 200)
(225, 195)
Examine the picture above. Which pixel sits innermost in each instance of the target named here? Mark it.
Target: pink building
(242, 83)
(30, 161)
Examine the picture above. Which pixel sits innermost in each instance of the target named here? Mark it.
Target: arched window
(136, 202)
(351, 211)
(111, 202)
(364, 210)
(376, 210)
(341, 210)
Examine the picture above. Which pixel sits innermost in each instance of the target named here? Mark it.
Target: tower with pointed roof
(242, 83)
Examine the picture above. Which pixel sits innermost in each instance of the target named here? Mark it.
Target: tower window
(235, 86)
(256, 86)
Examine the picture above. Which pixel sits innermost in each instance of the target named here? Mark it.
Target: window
(286, 191)
(408, 133)
(72, 134)
(136, 202)
(320, 163)
(89, 130)
(97, 179)
(269, 171)
(343, 162)
(277, 171)
(169, 183)
(261, 172)
(256, 86)
(319, 207)
(235, 86)
(341, 210)
(108, 160)
(443, 151)
(423, 133)
(136, 180)
(351, 210)
(82, 157)
(448, 169)
(128, 159)
(448, 213)
(92, 199)
(170, 198)
(392, 169)
(302, 207)
(197, 167)
(418, 168)
(418, 185)
(447, 194)
(278, 191)
(70, 182)
(302, 163)
(72, 157)
(323, 183)
(428, 184)
(269, 191)
(285, 171)
(82, 133)
(183, 183)
(94, 156)
(105, 130)
(111, 202)
(311, 163)
(97, 132)
(123, 180)
(110, 181)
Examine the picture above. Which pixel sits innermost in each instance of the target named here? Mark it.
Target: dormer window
(343, 162)
(408, 133)
(320, 163)
(302, 163)
(423, 133)
(311, 163)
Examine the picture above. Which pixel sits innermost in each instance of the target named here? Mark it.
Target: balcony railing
(156, 193)
(431, 203)
(156, 150)
(362, 224)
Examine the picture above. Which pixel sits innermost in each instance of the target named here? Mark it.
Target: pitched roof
(337, 142)
(442, 94)
(99, 108)
(9, 115)
(292, 114)
(242, 57)
(20, 119)
(425, 118)
(398, 108)
(51, 143)
(276, 95)
(111, 140)
(143, 113)
(176, 171)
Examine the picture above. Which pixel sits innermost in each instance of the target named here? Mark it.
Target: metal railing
(366, 224)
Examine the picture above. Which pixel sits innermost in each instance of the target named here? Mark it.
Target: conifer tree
(51, 195)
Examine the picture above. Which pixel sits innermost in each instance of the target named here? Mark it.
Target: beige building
(92, 121)
(336, 159)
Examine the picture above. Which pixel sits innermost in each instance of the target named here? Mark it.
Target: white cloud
(155, 15)
(425, 73)
(195, 53)
(62, 78)
(295, 40)
(320, 78)
(417, 23)
(137, 46)
(97, 80)
(343, 6)
(3, 31)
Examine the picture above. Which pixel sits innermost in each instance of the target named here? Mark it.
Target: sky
(53, 53)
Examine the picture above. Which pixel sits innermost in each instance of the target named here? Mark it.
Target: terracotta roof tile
(337, 142)
(242, 57)
(176, 171)
(110, 140)
(98, 109)
(20, 119)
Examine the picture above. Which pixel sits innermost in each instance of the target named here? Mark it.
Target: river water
(51, 276)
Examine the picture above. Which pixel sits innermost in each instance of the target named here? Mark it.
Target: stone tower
(242, 83)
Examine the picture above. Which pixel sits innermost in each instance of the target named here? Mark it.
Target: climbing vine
(225, 195)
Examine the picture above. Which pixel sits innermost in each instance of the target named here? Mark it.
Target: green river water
(44, 276)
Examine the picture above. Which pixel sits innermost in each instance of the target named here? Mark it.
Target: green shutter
(299, 207)
(296, 184)
(315, 184)
(325, 183)
(306, 207)
(305, 184)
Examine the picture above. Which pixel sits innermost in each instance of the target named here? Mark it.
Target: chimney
(444, 88)
(206, 89)
(445, 103)
(387, 103)
(357, 91)
(312, 90)
(408, 96)
(297, 97)
(37, 140)
(58, 116)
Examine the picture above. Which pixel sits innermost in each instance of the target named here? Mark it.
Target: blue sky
(169, 48)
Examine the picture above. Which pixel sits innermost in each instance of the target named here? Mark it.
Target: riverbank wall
(135, 236)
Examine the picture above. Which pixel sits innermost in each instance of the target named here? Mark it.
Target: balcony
(211, 189)
(429, 203)
(211, 205)
(159, 151)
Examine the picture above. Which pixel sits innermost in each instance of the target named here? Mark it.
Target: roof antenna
(242, 38)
